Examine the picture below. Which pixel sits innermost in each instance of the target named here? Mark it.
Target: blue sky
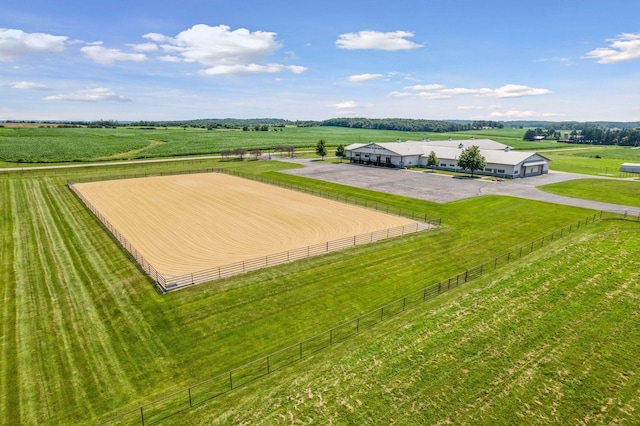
(459, 59)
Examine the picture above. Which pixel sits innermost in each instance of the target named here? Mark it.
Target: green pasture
(24, 146)
(550, 340)
(84, 335)
(626, 193)
(590, 160)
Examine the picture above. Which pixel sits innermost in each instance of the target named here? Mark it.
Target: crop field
(21, 146)
(84, 335)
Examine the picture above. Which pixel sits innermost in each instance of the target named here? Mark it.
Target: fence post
(142, 415)
(231, 380)
(381, 313)
(300, 350)
(358, 325)
(404, 304)
(190, 400)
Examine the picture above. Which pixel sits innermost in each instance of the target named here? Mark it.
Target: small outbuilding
(630, 167)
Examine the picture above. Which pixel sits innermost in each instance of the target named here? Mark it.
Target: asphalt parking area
(443, 188)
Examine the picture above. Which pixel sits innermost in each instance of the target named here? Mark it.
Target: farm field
(85, 336)
(23, 146)
(590, 160)
(551, 340)
(626, 193)
(184, 224)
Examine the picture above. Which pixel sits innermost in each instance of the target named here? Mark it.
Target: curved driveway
(443, 188)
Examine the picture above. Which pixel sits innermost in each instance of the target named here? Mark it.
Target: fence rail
(198, 393)
(166, 283)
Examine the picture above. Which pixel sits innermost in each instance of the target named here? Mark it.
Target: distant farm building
(630, 167)
(501, 160)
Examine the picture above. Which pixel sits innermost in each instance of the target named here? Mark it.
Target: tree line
(399, 124)
(589, 135)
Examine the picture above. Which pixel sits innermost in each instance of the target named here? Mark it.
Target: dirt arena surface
(188, 223)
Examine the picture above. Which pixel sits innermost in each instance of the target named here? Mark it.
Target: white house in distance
(501, 160)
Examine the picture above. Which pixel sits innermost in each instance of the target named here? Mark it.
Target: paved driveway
(443, 188)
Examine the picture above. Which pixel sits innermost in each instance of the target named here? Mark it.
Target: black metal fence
(167, 283)
(213, 387)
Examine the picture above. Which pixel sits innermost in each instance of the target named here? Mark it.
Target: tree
(321, 148)
(256, 153)
(340, 152)
(240, 152)
(471, 159)
(432, 160)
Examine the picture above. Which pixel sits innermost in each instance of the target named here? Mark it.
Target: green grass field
(85, 336)
(23, 146)
(597, 161)
(626, 193)
(550, 340)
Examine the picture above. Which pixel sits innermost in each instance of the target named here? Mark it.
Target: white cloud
(422, 87)
(223, 51)
(169, 58)
(296, 69)
(625, 47)
(469, 107)
(105, 56)
(517, 90)
(506, 91)
(564, 61)
(399, 94)
(346, 105)
(433, 95)
(250, 69)
(144, 47)
(364, 77)
(16, 43)
(28, 85)
(90, 95)
(463, 91)
(516, 114)
(396, 40)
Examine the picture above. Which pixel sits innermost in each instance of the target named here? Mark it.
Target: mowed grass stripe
(77, 350)
(9, 380)
(552, 343)
(83, 324)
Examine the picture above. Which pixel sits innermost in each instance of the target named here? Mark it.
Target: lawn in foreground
(550, 340)
(85, 336)
(626, 193)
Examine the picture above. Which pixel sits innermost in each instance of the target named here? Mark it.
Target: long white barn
(501, 160)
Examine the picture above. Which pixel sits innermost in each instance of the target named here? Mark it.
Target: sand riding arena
(192, 228)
